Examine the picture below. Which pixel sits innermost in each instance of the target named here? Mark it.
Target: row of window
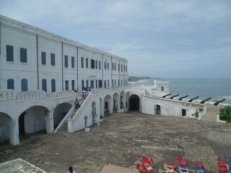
(24, 84)
(88, 83)
(120, 66)
(98, 83)
(10, 54)
(94, 63)
(43, 58)
(72, 61)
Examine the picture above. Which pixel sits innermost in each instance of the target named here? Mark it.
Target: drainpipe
(77, 50)
(62, 63)
(37, 57)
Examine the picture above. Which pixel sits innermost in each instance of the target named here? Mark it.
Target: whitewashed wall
(18, 70)
(168, 106)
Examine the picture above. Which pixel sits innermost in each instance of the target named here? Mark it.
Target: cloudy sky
(160, 38)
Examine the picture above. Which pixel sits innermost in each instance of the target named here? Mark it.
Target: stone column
(49, 121)
(14, 134)
(102, 107)
(111, 106)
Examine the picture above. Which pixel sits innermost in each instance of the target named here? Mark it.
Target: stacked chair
(183, 165)
(200, 167)
(146, 165)
(169, 167)
(223, 165)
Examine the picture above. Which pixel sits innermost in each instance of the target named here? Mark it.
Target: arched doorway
(134, 103)
(122, 95)
(115, 102)
(6, 128)
(93, 114)
(59, 113)
(32, 120)
(107, 105)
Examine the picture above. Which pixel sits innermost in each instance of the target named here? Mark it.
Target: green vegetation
(201, 109)
(225, 114)
(196, 114)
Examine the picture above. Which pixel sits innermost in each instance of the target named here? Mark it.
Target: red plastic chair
(182, 162)
(200, 164)
(171, 165)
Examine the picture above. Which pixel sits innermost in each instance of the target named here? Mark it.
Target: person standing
(71, 170)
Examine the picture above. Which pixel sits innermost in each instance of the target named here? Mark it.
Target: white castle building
(42, 74)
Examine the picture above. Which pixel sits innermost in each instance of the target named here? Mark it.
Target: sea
(216, 88)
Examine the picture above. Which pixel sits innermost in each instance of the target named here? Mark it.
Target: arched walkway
(134, 103)
(6, 127)
(32, 120)
(107, 105)
(60, 111)
(115, 102)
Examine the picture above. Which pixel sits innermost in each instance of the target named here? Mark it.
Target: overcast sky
(159, 38)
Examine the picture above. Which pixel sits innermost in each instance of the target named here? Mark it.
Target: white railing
(65, 118)
(32, 95)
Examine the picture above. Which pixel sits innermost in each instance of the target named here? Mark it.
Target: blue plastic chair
(228, 159)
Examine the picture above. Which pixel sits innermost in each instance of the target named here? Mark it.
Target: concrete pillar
(111, 106)
(101, 109)
(49, 121)
(14, 134)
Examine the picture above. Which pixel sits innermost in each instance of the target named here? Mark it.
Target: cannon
(203, 101)
(166, 95)
(174, 96)
(217, 102)
(193, 98)
(183, 97)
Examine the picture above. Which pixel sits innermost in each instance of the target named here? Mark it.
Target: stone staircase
(211, 114)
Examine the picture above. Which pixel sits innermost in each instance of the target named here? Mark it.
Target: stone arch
(93, 112)
(6, 127)
(60, 111)
(134, 102)
(122, 100)
(107, 105)
(115, 102)
(33, 120)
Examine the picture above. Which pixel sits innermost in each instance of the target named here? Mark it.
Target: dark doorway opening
(134, 103)
(22, 124)
(157, 109)
(183, 112)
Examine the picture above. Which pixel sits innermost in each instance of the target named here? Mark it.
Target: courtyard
(122, 139)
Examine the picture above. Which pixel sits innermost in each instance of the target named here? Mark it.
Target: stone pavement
(19, 166)
(122, 139)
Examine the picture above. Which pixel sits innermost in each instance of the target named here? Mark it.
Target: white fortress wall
(168, 107)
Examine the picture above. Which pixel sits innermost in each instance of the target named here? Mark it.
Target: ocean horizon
(216, 88)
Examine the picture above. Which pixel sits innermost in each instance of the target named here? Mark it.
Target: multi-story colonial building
(34, 59)
(40, 70)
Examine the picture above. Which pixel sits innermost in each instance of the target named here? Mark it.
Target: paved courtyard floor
(122, 139)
